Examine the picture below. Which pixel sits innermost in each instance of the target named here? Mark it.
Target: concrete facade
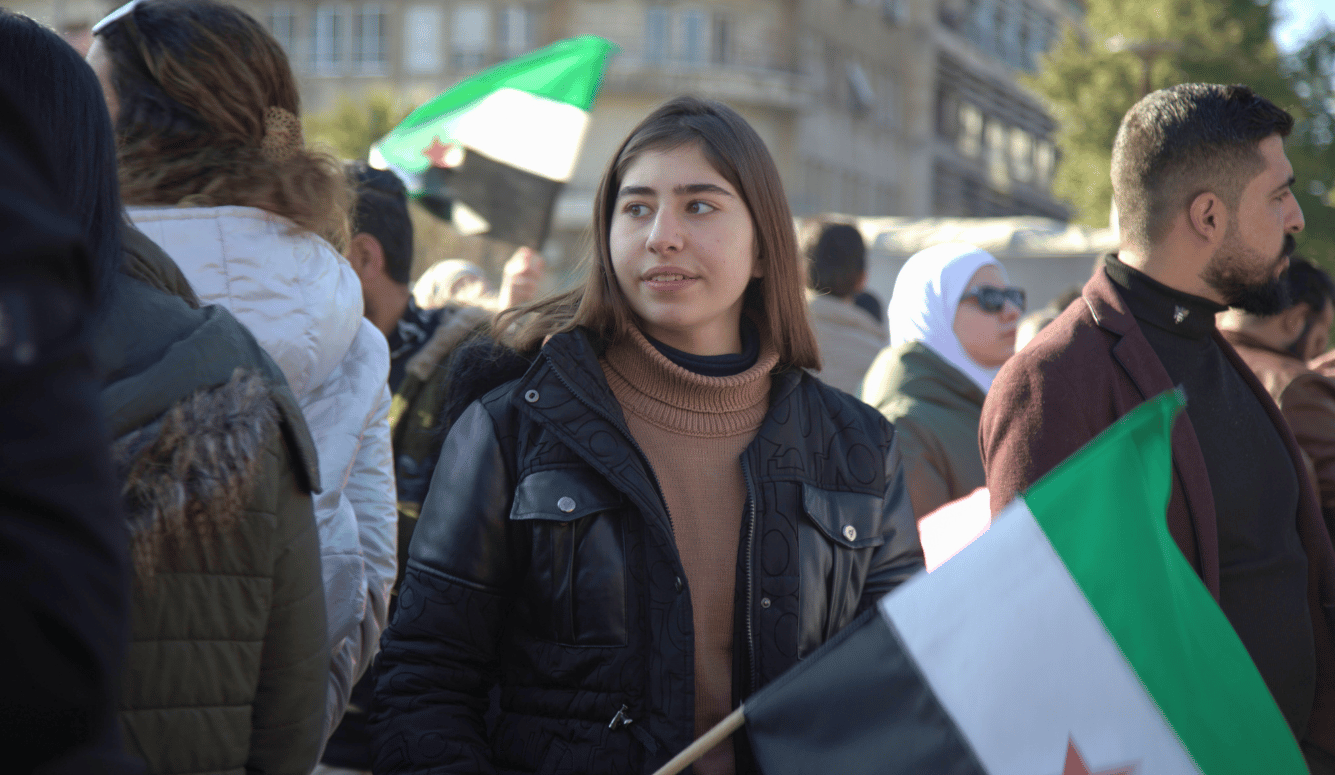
(870, 107)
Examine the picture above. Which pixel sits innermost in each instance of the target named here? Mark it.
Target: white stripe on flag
(501, 125)
(1021, 662)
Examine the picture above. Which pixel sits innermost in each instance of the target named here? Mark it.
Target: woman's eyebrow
(636, 191)
(690, 188)
(701, 188)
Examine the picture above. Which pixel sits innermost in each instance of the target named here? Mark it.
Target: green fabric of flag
(567, 72)
(1118, 550)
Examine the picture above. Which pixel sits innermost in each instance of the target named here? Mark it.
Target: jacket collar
(1243, 339)
(149, 369)
(1142, 365)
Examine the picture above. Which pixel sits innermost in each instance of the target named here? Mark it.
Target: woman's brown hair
(199, 85)
(776, 300)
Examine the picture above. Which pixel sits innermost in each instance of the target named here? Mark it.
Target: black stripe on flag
(856, 705)
(517, 204)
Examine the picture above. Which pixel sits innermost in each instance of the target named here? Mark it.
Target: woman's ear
(757, 264)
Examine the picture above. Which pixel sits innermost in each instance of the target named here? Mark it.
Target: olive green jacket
(935, 409)
(228, 658)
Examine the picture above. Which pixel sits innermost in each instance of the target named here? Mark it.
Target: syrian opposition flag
(1071, 638)
(492, 153)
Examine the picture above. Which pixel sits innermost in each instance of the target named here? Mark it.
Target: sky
(1298, 19)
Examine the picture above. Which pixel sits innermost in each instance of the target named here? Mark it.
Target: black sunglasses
(992, 299)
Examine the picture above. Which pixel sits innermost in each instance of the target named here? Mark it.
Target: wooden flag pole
(730, 723)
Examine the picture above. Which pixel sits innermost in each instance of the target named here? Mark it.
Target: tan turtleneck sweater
(693, 429)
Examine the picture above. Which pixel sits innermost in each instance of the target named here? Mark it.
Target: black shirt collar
(726, 365)
(1158, 305)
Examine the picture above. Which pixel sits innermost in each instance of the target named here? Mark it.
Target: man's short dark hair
(1179, 142)
(838, 259)
(382, 212)
(1308, 284)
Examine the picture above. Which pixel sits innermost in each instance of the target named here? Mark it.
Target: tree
(1093, 76)
(1310, 147)
(352, 125)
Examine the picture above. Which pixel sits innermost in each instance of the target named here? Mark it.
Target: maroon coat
(1089, 367)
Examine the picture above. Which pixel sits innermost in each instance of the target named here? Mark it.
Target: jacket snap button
(850, 532)
(764, 602)
(531, 396)
(677, 584)
(566, 504)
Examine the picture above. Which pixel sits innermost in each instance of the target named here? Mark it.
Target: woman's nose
(1010, 311)
(665, 235)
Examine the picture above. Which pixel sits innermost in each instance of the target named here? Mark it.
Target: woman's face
(683, 250)
(988, 337)
(100, 61)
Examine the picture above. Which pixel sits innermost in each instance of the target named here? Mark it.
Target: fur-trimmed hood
(191, 399)
(190, 472)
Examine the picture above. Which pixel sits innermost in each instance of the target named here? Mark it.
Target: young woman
(665, 511)
(212, 161)
(952, 326)
(227, 664)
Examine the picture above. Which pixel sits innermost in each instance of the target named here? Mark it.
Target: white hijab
(927, 294)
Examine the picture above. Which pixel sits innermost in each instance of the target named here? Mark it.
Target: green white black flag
(492, 152)
(1071, 638)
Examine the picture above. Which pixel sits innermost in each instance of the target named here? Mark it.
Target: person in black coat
(664, 512)
(64, 558)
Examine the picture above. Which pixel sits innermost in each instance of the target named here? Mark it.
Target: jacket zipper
(750, 579)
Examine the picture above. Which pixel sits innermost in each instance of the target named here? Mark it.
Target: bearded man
(1207, 217)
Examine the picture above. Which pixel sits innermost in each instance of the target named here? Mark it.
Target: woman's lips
(666, 281)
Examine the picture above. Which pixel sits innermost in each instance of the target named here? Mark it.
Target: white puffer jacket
(303, 302)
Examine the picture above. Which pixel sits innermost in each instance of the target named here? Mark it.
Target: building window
(331, 30)
(1045, 162)
(721, 41)
(283, 24)
(368, 38)
(655, 34)
(515, 34)
(470, 36)
(994, 149)
(1022, 155)
(895, 12)
(693, 30)
(970, 130)
(421, 38)
(862, 98)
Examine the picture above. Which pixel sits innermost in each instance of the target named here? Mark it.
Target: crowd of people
(271, 507)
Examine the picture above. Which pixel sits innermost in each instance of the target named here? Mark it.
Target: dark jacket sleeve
(928, 487)
(288, 721)
(901, 555)
(1033, 419)
(438, 658)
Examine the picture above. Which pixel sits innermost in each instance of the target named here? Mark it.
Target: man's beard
(1232, 273)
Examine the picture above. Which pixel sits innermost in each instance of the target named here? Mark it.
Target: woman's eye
(635, 210)
(700, 208)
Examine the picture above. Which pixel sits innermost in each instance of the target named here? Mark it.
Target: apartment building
(870, 107)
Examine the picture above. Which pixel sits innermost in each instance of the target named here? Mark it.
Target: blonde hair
(777, 300)
(207, 116)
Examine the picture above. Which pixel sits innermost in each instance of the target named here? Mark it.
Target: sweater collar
(1160, 306)
(651, 386)
(726, 365)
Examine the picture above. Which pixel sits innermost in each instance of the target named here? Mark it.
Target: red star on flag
(1075, 764)
(443, 155)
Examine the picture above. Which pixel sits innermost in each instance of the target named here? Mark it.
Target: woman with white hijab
(952, 325)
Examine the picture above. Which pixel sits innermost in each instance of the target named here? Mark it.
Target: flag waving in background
(491, 153)
(1072, 638)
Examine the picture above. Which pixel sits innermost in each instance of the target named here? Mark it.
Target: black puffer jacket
(544, 559)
